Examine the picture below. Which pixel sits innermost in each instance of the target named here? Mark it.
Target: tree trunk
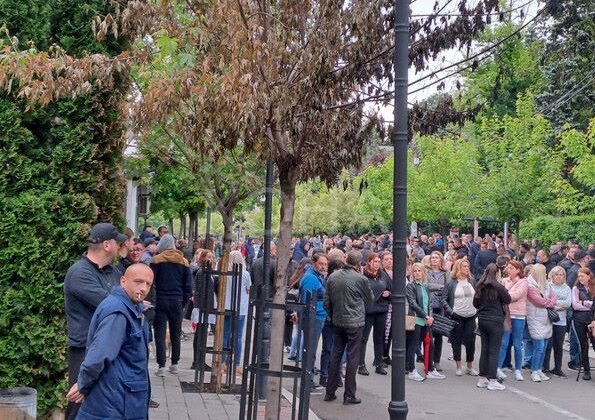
(287, 181)
(191, 228)
(227, 216)
(182, 226)
(171, 225)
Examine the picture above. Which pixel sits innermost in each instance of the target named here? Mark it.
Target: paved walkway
(174, 404)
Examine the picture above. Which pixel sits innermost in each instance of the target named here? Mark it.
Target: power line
(579, 87)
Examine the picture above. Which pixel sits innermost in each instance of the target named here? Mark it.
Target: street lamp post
(397, 407)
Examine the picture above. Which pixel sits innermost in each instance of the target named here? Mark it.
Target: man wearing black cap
(87, 283)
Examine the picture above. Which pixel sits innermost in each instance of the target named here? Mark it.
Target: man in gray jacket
(347, 292)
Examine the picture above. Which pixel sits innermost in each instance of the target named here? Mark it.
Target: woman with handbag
(418, 298)
(458, 305)
(516, 284)
(583, 294)
(539, 299)
(557, 283)
(490, 300)
(437, 278)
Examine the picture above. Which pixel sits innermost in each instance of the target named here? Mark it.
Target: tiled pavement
(177, 405)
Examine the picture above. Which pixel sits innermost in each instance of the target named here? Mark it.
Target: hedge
(59, 173)
(549, 229)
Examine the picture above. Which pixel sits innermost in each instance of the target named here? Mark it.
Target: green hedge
(549, 229)
(59, 173)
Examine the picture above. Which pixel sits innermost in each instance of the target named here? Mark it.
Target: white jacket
(538, 322)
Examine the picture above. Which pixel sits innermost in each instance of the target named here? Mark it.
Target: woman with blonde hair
(557, 283)
(457, 298)
(539, 299)
(438, 277)
(418, 298)
(243, 295)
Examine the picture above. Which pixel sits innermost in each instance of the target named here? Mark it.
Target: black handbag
(443, 325)
(553, 315)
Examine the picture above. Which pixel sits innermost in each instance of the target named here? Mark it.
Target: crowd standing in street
(503, 292)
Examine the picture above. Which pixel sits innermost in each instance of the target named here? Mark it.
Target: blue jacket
(314, 283)
(114, 375)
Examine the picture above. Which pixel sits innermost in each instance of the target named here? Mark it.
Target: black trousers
(350, 339)
(555, 343)
(491, 339)
(74, 359)
(584, 336)
(168, 312)
(378, 323)
(418, 337)
(288, 332)
(463, 334)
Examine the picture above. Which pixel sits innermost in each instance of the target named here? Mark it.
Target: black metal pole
(264, 315)
(397, 408)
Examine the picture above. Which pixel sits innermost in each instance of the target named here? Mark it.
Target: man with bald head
(113, 380)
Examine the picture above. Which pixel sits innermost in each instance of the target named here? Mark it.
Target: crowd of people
(125, 291)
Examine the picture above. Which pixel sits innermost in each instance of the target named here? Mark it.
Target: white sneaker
(472, 372)
(415, 376)
(518, 375)
(174, 369)
(500, 374)
(543, 376)
(459, 372)
(483, 383)
(494, 385)
(435, 375)
(160, 372)
(535, 377)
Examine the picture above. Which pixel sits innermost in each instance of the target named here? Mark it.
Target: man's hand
(385, 294)
(429, 321)
(74, 395)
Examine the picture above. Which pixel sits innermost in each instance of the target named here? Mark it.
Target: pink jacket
(518, 294)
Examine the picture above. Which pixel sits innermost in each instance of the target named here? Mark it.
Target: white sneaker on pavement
(459, 372)
(495, 386)
(500, 374)
(435, 375)
(174, 369)
(160, 372)
(543, 376)
(535, 377)
(472, 372)
(415, 376)
(483, 383)
(518, 375)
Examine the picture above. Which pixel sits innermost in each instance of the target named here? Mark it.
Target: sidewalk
(174, 404)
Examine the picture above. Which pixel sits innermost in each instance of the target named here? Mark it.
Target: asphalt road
(459, 398)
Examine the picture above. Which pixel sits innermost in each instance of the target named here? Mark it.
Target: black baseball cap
(580, 254)
(104, 232)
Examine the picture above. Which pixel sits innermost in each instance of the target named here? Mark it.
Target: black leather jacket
(415, 300)
(448, 296)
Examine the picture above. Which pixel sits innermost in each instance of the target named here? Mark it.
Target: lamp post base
(397, 410)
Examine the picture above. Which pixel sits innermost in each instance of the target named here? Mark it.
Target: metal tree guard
(397, 407)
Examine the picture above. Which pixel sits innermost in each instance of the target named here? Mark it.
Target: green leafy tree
(519, 164)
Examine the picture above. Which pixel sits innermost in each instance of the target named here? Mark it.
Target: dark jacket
(114, 375)
(448, 296)
(347, 293)
(204, 289)
(85, 286)
(173, 279)
(584, 317)
(482, 259)
(572, 274)
(492, 309)
(378, 285)
(436, 283)
(257, 271)
(415, 300)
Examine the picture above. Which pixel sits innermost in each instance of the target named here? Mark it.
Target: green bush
(549, 229)
(59, 173)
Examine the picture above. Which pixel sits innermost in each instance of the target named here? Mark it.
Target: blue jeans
(227, 332)
(528, 351)
(328, 341)
(518, 326)
(538, 354)
(317, 326)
